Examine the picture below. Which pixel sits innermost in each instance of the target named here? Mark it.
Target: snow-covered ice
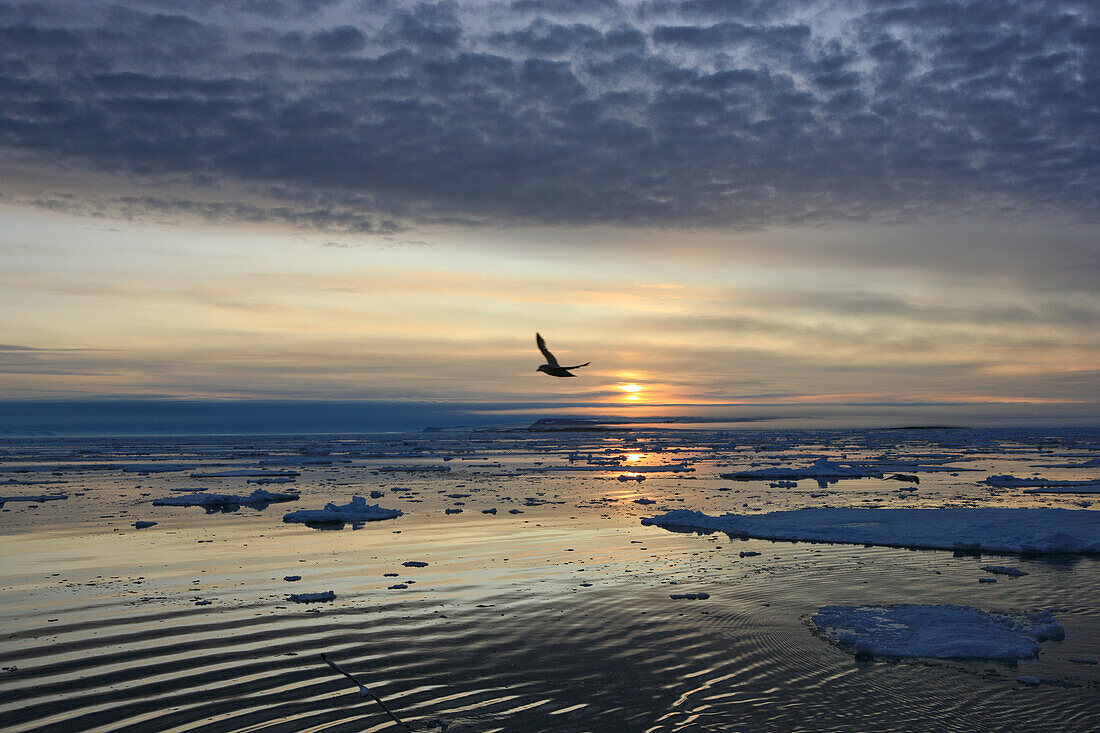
(357, 510)
(1038, 531)
(822, 470)
(259, 497)
(940, 632)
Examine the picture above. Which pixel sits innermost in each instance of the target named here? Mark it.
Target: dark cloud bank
(368, 116)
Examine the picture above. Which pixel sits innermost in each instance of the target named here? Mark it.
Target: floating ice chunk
(413, 469)
(39, 498)
(143, 524)
(1093, 487)
(273, 480)
(251, 473)
(1028, 531)
(1029, 680)
(1003, 570)
(643, 500)
(327, 595)
(357, 510)
(1042, 485)
(689, 596)
(939, 632)
(259, 497)
(415, 564)
(822, 470)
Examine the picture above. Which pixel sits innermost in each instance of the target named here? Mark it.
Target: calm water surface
(557, 618)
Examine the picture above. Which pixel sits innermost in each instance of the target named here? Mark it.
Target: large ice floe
(1029, 531)
(357, 510)
(939, 632)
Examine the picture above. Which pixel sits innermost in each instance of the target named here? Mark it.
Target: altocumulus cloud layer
(374, 115)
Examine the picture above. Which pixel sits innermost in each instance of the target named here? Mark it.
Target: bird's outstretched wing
(578, 365)
(545, 351)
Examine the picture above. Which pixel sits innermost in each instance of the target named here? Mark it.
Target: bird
(552, 367)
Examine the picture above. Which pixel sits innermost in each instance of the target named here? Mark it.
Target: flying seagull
(552, 367)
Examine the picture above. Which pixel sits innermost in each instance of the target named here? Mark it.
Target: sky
(816, 212)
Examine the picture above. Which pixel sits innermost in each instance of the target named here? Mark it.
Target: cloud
(747, 114)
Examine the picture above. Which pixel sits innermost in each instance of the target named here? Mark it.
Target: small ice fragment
(515, 511)
(292, 578)
(397, 586)
(489, 511)
(644, 501)
(1003, 570)
(377, 494)
(987, 580)
(144, 524)
(1082, 660)
(452, 511)
(415, 564)
(327, 595)
(748, 553)
(1026, 679)
(689, 596)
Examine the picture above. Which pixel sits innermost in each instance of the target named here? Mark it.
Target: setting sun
(630, 387)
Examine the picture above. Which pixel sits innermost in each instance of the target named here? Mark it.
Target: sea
(518, 589)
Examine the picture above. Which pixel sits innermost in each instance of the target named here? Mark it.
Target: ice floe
(327, 595)
(822, 470)
(1042, 485)
(37, 499)
(1038, 531)
(246, 473)
(357, 510)
(257, 498)
(1004, 570)
(939, 632)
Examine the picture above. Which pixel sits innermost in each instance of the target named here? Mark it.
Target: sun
(632, 391)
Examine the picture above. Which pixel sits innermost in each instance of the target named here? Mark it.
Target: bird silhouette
(552, 367)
